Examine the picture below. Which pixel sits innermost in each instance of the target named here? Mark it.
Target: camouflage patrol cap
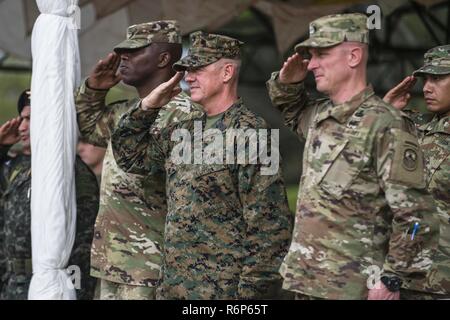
(334, 29)
(141, 35)
(437, 61)
(207, 48)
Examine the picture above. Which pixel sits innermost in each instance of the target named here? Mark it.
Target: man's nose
(312, 64)
(428, 86)
(23, 127)
(189, 77)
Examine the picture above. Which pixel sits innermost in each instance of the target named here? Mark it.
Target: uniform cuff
(138, 114)
(95, 93)
(291, 88)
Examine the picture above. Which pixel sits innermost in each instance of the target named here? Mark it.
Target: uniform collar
(342, 112)
(437, 125)
(229, 114)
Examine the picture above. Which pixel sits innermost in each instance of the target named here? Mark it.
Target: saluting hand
(399, 96)
(104, 74)
(294, 69)
(9, 132)
(163, 93)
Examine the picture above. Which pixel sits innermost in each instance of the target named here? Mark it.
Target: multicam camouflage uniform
(15, 245)
(228, 226)
(362, 186)
(434, 138)
(128, 241)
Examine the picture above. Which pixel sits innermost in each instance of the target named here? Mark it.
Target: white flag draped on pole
(55, 76)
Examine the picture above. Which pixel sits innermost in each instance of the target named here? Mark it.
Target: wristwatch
(393, 283)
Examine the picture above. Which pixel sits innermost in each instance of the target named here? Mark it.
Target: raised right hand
(104, 74)
(399, 96)
(294, 69)
(163, 93)
(9, 132)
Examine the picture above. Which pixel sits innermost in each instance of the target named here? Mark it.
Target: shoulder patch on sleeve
(408, 161)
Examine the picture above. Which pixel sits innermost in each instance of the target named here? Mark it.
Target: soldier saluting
(434, 138)
(228, 226)
(363, 183)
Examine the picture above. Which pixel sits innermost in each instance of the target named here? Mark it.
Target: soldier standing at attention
(434, 138)
(228, 226)
(15, 212)
(128, 240)
(362, 189)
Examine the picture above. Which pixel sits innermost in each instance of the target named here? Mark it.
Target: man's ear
(164, 59)
(355, 56)
(228, 72)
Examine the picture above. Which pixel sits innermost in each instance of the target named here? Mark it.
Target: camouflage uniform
(128, 241)
(15, 245)
(228, 226)
(362, 186)
(202, 51)
(3, 261)
(434, 138)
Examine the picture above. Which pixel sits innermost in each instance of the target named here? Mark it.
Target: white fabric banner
(56, 74)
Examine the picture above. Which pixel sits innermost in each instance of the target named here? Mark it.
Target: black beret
(24, 100)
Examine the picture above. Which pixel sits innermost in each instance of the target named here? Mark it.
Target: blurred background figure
(92, 156)
(15, 213)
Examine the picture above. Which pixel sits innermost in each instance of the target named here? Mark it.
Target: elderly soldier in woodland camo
(434, 138)
(15, 213)
(228, 226)
(363, 181)
(128, 243)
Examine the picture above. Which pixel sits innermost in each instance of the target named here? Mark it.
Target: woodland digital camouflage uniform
(361, 190)
(15, 234)
(203, 50)
(434, 138)
(228, 226)
(128, 242)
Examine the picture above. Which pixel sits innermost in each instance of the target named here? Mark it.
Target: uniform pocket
(213, 182)
(344, 165)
